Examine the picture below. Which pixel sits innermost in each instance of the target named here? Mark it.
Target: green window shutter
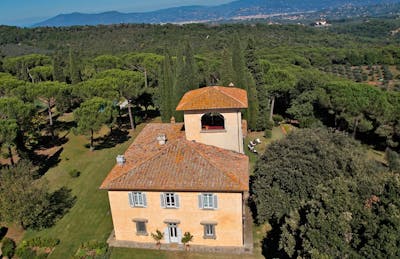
(162, 200)
(130, 198)
(215, 201)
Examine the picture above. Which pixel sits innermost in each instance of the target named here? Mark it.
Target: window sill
(213, 131)
(137, 206)
(209, 237)
(142, 234)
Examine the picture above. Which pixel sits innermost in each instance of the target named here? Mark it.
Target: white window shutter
(215, 201)
(179, 234)
(144, 199)
(130, 198)
(176, 200)
(162, 200)
(200, 196)
(166, 235)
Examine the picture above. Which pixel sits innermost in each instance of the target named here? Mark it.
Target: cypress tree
(74, 72)
(186, 77)
(180, 86)
(166, 89)
(226, 70)
(58, 63)
(238, 64)
(255, 82)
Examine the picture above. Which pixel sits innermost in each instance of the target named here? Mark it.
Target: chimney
(161, 138)
(231, 84)
(121, 159)
(172, 120)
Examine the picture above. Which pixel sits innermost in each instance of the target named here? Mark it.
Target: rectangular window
(169, 200)
(141, 228)
(209, 231)
(208, 201)
(137, 199)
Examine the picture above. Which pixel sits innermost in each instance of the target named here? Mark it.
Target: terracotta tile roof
(213, 97)
(179, 165)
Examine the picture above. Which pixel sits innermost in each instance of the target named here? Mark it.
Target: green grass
(90, 217)
(276, 135)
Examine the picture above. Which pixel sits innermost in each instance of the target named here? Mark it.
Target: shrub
(41, 242)
(25, 253)
(277, 119)
(27, 249)
(187, 237)
(268, 133)
(269, 124)
(93, 248)
(393, 160)
(8, 247)
(74, 173)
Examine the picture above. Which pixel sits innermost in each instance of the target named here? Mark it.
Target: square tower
(212, 116)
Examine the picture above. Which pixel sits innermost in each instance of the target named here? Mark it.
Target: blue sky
(26, 12)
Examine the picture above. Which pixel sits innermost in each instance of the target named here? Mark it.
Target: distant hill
(241, 9)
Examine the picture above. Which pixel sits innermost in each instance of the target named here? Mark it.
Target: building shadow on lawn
(116, 137)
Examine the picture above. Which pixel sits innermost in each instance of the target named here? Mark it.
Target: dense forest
(341, 84)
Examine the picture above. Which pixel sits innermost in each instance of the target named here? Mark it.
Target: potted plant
(157, 237)
(187, 237)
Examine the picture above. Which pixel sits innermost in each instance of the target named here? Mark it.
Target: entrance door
(173, 233)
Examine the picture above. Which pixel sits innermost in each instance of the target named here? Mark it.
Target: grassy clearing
(276, 135)
(90, 218)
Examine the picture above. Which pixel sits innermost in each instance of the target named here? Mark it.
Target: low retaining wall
(177, 247)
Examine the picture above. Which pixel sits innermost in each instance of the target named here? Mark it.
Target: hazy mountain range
(241, 9)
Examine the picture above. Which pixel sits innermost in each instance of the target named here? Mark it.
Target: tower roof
(213, 97)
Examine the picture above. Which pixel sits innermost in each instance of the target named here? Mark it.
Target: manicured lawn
(90, 218)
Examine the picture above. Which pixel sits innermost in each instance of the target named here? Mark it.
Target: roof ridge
(213, 164)
(219, 87)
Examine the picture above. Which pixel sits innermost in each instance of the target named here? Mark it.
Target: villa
(185, 177)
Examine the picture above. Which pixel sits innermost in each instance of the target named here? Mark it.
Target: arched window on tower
(212, 121)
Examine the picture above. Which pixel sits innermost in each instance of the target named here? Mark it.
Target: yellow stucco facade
(230, 138)
(188, 218)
